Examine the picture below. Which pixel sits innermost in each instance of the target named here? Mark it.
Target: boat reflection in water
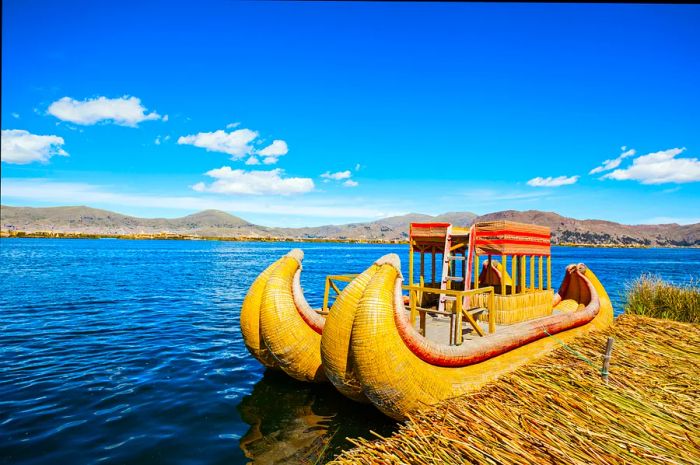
(295, 422)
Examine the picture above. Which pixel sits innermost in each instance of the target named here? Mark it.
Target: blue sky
(161, 109)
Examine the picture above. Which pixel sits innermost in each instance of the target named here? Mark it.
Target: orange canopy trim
(511, 238)
(429, 232)
(429, 225)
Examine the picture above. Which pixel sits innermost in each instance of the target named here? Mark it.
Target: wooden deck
(438, 328)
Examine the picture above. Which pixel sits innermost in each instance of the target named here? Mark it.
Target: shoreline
(190, 237)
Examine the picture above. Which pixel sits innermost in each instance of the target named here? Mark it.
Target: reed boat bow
(279, 327)
(250, 319)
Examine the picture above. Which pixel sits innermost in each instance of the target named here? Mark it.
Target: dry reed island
(560, 410)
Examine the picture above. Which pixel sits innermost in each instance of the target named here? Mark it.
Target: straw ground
(559, 410)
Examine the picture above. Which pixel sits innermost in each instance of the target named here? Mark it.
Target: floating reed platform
(559, 410)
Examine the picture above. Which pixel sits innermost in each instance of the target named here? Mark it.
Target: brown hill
(570, 230)
(221, 224)
(95, 221)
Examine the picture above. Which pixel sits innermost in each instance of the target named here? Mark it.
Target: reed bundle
(649, 295)
(511, 309)
(558, 410)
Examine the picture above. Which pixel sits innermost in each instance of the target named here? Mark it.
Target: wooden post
(549, 271)
(414, 311)
(325, 294)
(503, 274)
(532, 272)
(606, 360)
(523, 278)
(514, 273)
(539, 281)
(451, 335)
(410, 262)
(458, 325)
(476, 270)
(422, 262)
(490, 264)
(492, 313)
(420, 293)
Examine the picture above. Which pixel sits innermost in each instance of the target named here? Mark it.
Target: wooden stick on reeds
(606, 360)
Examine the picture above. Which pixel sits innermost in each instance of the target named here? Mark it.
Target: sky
(311, 113)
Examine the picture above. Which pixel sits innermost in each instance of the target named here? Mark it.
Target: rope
(572, 350)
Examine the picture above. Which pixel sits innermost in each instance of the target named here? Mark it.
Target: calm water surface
(129, 352)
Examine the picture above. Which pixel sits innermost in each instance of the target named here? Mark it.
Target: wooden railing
(458, 312)
(416, 293)
(331, 281)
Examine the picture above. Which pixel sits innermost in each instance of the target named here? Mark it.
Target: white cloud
(15, 115)
(232, 125)
(22, 147)
(276, 149)
(238, 144)
(273, 151)
(160, 139)
(235, 143)
(615, 162)
(357, 167)
(672, 219)
(340, 175)
(230, 181)
(552, 182)
(62, 193)
(124, 111)
(660, 168)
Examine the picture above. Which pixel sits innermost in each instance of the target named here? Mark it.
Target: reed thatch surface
(558, 409)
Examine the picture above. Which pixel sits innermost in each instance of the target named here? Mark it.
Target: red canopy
(511, 238)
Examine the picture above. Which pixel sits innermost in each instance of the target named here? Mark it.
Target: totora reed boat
(279, 327)
(403, 347)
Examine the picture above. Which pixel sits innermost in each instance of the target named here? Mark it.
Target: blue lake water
(129, 352)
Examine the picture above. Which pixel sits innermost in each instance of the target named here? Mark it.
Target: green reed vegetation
(649, 295)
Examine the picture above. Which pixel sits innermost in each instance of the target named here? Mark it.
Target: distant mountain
(95, 221)
(388, 229)
(570, 230)
(221, 224)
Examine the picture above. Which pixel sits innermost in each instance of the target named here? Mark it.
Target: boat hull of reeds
(279, 327)
(370, 351)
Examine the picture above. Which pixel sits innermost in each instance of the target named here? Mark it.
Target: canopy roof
(433, 234)
(511, 238)
(490, 237)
